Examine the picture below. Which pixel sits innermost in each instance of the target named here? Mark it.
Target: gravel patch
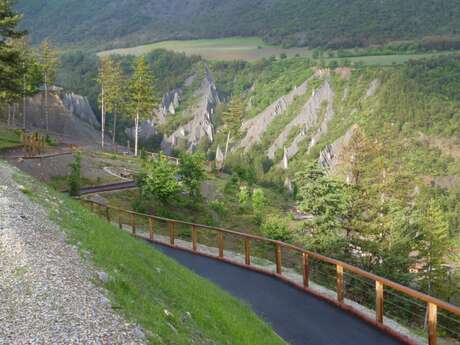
(47, 294)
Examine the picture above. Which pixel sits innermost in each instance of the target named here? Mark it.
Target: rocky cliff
(201, 126)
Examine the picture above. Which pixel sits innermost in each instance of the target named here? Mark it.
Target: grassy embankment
(150, 289)
(9, 138)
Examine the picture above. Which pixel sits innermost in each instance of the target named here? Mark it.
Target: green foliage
(11, 61)
(288, 22)
(244, 197)
(192, 172)
(158, 180)
(328, 201)
(259, 204)
(276, 228)
(74, 179)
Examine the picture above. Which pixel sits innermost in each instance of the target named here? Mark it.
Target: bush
(276, 228)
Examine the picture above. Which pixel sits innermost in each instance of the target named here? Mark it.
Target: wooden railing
(302, 261)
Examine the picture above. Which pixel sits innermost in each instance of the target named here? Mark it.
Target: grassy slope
(9, 139)
(144, 283)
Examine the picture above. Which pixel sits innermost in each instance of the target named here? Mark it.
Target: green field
(233, 48)
(252, 49)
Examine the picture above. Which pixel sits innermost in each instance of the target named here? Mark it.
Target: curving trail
(299, 318)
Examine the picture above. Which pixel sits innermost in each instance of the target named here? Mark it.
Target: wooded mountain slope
(291, 22)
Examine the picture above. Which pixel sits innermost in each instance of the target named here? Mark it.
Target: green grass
(252, 49)
(232, 48)
(9, 138)
(144, 283)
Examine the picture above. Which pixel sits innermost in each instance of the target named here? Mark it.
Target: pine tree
(10, 57)
(233, 117)
(142, 99)
(117, 95)
(103, 81)
(49, 63)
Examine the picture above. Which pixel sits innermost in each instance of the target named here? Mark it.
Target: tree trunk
(114, 132)
(9, 115)
(24, 111)
(102, 120)
(136, 134)
(46, 103)
(14, 115)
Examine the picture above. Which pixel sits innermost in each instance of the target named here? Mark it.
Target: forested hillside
(114, 23)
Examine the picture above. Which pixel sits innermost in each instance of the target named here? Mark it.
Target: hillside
(101, 282)
(107, 24)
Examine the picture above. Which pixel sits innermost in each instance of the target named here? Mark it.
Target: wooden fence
(405, 305)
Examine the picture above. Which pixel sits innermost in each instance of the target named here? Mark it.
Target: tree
(48, 62)
(192, 172)
(142, 99)
(111, 83)
(434, 244)
(158, 179)
(328, 201)
(233, 117)
(10, 58)
(75, 177)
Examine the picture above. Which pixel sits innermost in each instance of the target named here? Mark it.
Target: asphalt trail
(299, 318)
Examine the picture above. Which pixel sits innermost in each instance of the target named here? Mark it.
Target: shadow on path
(299, 318)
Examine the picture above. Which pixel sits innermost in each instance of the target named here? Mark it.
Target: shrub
(276, 228)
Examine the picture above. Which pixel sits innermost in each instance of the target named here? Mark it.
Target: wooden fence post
(379, 301)
(340, 287)
(107, 213)
(221, 245)
(247, 251)
(120, 223)
(151, 230)
(306, 270)
(278, 258)
(171, 233)
(194, 238)
(432, 324)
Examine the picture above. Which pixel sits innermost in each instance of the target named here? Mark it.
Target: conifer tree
(142, 99)
(48, 62)
(10, 58)
(233, 117)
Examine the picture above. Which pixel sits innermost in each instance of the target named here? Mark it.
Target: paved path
(299, 318)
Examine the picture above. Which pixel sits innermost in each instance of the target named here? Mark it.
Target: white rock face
(373, 87)
(79, 106)
(308, 119)
(256, 126)
(330, 157)
(201, 126)
(169, 104)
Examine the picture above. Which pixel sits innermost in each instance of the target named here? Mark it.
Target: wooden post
(306, 270)
(379, 302)
(120, 223)
(194, 238)
(151, 232)
(133, 223)
(278, 258)
(247, 251)
(107, 213)
(221, 245)
(432, 324)
(340, 288)
(171, 233)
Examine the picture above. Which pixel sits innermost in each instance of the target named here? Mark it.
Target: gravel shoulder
(48, 293)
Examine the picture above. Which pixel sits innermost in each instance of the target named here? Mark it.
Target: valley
(211, 166)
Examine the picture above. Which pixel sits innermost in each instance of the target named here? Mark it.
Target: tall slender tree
(142, 98)
(49, 62)
(233, 116)
(103, 81)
